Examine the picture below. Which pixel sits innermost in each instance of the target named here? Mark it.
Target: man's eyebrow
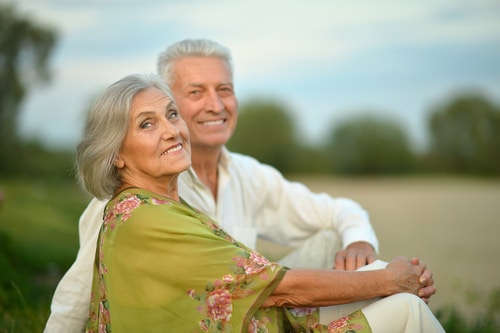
(194, 84)
(197, 84)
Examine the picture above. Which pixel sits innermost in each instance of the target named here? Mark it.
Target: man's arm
(70, 304)
(289, 213)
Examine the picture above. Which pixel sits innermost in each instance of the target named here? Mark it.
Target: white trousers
(399, 313)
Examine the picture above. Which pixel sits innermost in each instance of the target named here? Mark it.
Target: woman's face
(156, 146)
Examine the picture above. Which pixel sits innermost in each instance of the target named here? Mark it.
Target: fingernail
(422, 280)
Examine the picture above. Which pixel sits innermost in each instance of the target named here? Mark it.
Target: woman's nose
(169, 130)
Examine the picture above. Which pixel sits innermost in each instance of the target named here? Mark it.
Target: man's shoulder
(95, 206)
(241, 160)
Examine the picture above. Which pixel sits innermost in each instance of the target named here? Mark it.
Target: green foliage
(23, 308)
(465, 138)
(25, 48)
(32, 160)
(38, 243)
(267, 132)
(465, 135)
(369, 145)
(487, 322)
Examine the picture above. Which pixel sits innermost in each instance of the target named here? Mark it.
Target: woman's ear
(119, 163)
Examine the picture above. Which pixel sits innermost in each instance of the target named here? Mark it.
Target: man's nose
(214, 102)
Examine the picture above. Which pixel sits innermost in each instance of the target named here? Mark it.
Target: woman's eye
(146, 124)
(173, 114)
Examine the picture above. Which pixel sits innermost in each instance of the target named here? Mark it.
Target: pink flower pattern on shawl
(219, 305)
(216, 301)
(122, 210)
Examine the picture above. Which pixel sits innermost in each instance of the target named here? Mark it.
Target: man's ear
(119, 163)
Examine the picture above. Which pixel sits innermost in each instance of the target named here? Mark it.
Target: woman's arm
(315, 287)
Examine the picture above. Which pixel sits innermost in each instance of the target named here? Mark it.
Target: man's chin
(213, 140)
(207, 145)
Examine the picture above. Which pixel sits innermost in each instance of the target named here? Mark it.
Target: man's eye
(226, 91)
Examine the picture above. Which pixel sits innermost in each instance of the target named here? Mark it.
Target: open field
(452, 224)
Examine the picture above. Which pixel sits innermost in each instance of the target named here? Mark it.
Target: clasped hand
(360, 254)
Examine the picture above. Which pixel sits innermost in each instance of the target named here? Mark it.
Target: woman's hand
(407, 274)
(426, 282)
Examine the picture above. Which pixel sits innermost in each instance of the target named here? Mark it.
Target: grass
(39, 241)
(486, 322)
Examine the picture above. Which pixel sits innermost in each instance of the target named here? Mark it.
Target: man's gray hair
(190, 48)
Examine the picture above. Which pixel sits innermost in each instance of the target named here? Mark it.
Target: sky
(326, 60)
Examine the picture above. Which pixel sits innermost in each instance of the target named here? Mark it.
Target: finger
(350, 262)
(360, 261)
(425, 278)
(340, 262)
(370, 259)
(427, 292)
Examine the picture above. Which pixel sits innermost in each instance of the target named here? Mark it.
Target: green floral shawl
(162, 266)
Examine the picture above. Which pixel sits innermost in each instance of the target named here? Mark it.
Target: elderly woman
(162, 266)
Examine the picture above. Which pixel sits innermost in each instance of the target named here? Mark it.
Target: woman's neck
(167, 189)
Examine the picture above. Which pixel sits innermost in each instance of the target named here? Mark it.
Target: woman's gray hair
(190, 48)
(105, 131)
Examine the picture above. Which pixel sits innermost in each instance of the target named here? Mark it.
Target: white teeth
(214, 122)
(173, 149)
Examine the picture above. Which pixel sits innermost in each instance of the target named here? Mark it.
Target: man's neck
(205, 164)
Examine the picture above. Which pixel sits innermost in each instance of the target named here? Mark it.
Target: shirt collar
(225, 158)
(189, 176)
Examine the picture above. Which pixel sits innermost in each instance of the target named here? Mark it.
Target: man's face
(204, 92)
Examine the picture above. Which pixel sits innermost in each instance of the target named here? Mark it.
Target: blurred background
(393, 104)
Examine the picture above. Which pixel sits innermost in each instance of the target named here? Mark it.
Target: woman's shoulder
(143, 205)
(135, 196)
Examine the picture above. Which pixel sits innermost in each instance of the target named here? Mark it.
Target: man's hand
(356, 255)
(427, 282)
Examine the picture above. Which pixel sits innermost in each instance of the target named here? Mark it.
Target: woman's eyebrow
(170, 104)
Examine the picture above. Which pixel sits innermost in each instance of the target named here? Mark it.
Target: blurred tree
(369, 145)
(267, 132)
(25, 48)
(465, 135)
